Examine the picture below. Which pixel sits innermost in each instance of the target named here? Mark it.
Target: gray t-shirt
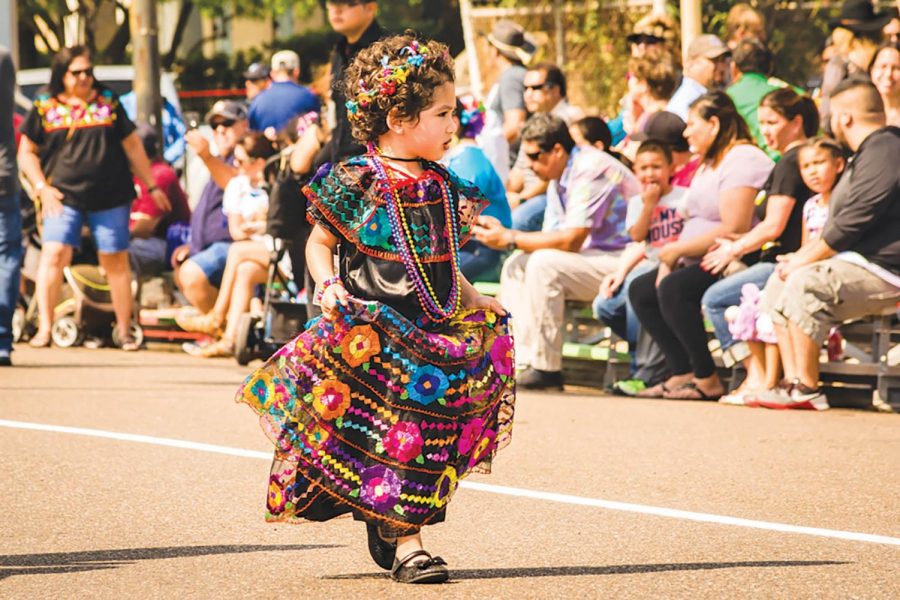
(510, 96)
(9, 182)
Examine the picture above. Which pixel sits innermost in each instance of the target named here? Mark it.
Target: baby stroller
(284, 309)
(89, 312)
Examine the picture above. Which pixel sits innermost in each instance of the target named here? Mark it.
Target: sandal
(40, 340)
(206, 323)
(217, 349)
(383, 552)
(431, 570)
(657, 391)
(129, 344)
(689, 391)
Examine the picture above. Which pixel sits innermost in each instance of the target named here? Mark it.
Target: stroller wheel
(245, 343)
(65, 332)
(136, 331)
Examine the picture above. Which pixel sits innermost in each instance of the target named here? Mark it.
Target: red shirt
(167, 181)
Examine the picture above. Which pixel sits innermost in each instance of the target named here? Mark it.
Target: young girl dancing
(407, 382)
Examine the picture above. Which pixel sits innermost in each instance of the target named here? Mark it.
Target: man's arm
(872, 191)
(491, 233)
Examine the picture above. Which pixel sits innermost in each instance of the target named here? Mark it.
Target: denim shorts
(211, 261)
(109, 228)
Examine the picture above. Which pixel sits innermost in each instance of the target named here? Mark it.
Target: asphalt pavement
(135, 475)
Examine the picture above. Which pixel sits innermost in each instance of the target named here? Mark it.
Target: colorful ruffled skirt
(373, 416)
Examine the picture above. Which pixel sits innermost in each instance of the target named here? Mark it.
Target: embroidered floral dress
(382, 412)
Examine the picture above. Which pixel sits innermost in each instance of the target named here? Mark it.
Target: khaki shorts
(824, 294)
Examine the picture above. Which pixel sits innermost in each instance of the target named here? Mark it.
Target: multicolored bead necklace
(400, 228)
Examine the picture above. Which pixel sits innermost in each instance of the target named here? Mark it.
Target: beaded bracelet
(336, 280)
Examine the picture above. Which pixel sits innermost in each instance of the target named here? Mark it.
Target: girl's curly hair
(398, 73)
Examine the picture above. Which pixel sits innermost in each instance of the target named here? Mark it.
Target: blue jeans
(727, 292)
(529, 216)
(616, 312)
(480, 263)
(10, 265)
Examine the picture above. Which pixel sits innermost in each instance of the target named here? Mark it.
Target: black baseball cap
(664, 127)
(256, 71)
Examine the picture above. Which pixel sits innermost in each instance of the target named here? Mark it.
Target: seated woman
(245, 204)
(786, 119)
(476, 261)
(719, 204)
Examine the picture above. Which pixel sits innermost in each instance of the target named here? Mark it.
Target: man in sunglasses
(545, 92)
(199, 265)
(582, 238)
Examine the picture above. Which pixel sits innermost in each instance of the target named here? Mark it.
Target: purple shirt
(592, 193)
(744, 165)
(208, 223)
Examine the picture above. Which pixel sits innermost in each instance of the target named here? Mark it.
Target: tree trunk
(184, 15)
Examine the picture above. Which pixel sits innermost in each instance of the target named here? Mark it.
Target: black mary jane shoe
(431, 570)
(384, 553)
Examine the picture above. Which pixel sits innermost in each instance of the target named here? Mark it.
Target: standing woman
(77, 143)
(786, 119)
(719, 204)
(885, 74)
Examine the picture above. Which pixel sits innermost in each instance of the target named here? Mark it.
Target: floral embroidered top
(81, 149)
(347, 200)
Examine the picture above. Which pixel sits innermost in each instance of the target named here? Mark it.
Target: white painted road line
(484, 487)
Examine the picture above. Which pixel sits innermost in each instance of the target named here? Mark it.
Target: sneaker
(800, 397)
(780, 394)
(734, 399)
(5, 359)
(628, 387)
(535, 379)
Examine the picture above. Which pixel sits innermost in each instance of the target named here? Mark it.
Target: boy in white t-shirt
(654, 218)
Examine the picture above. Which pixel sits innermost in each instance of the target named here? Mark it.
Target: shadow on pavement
(78, 562)
(522, 572)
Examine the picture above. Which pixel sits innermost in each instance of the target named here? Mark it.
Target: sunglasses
(538, 86)
(533, 156)
(644, 39)
(89, 72)
(223, 123)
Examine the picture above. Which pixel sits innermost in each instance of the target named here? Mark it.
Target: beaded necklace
(414, 267)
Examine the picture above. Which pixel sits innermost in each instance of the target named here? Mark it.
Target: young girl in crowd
(821, 162)
(406, 383)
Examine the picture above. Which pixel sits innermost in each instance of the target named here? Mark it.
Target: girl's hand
(334, 295)
(488, 303)
(51, 201)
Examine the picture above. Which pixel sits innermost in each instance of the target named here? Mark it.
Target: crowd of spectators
(719, 194)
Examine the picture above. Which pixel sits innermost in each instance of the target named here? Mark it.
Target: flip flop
(689, 391)
(40, 340)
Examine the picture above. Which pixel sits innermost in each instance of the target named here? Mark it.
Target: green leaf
(399, 510)
(355, 493)
(420, 459)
